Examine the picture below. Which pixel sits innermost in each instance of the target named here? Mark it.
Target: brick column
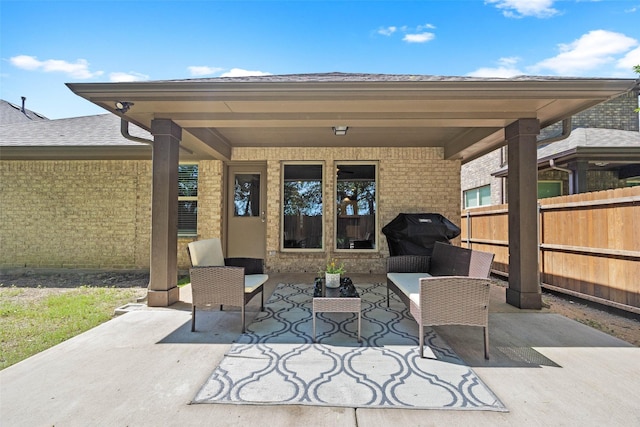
(524, 273)
(163, 290)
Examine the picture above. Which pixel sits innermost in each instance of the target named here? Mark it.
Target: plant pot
(332, 280)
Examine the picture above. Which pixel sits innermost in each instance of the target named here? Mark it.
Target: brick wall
(97, 214)
(617, 113)
(75, 214)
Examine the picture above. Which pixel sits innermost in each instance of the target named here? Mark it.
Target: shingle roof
(360, 77)
(88, 131)
(12, 113)
(592, 138)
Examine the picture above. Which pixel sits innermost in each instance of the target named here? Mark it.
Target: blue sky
(44, 44)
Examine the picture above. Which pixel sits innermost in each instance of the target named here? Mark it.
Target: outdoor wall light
(123, 106)
(340, 130)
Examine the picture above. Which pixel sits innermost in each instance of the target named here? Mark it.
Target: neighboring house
(295, 169)
(602, 152)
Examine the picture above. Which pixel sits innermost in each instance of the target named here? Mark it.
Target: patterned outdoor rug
(276, 362)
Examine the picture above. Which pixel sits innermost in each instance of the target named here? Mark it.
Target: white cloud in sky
(78, 69)
(411, 35)
(387, 31)
(631, 59)
(591, 50)
(203, 70)
(119, 77)
(506, 68)
(522, 8)
(419, 38)
(239, 72)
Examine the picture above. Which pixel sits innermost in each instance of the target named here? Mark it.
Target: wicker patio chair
(216, 280)
(452, 300)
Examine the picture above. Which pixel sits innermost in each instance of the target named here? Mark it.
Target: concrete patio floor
(142, 368)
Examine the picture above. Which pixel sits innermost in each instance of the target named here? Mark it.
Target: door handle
(263, 217)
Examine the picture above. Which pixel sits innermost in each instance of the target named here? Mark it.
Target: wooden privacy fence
(589, 244)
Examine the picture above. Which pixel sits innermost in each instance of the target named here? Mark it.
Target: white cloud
(239, 72)
(203, 70)
(119, 77)
(78, 69)
(387, 31)
(426, 27)
(631, 59)
(590, 51)
(418, 34)
(419, 38)
(521, 8)
(506, 68)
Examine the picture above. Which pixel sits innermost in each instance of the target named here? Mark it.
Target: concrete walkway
(142, 369)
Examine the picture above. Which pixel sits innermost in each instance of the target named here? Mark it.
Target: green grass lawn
(32, 320)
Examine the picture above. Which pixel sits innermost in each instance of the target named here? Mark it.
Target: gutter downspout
(569, 171)
(566, 132)
(124, 130)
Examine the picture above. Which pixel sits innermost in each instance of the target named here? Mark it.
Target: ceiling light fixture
(123, 106)
(340, 130)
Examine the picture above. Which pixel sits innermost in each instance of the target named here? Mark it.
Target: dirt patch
(72, 279)
(625, 327)
(34, 285)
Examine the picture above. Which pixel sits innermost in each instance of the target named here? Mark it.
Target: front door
(246, 211)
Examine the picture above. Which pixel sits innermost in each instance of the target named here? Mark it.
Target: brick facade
(97, 214)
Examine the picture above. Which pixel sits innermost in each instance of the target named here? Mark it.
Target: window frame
(189, 233)
(376, 239)
(323, 184)
(478, 198)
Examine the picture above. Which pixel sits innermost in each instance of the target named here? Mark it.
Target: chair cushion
(251, 265)
(407, 283)
(254, 281)
(206, 253)
(449, 260)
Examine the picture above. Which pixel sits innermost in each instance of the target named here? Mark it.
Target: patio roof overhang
(465, 116)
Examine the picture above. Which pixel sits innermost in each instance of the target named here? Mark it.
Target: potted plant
(332, 274)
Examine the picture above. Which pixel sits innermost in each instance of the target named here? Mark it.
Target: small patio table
(332, 301)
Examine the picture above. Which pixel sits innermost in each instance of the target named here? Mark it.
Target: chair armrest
(408, 264)
(251, 265)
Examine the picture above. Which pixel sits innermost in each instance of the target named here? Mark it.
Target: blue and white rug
(276, 362)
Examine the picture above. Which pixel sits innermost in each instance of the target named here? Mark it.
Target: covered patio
(144, 367)
(463, 117)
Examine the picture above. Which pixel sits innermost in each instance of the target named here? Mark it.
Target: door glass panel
(356, 206)
(246, 199)
(302, 206)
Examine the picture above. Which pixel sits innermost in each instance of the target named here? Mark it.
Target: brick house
(295, 169)
(602, 152)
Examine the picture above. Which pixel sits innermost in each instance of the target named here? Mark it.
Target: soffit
(465, 116)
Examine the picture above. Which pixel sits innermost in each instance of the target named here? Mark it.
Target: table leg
(314, 326)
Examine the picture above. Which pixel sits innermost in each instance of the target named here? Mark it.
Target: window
(187, 199)
(475, 197)
(246, 194)
(302, 206)
(356, 206)
(549, 189)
